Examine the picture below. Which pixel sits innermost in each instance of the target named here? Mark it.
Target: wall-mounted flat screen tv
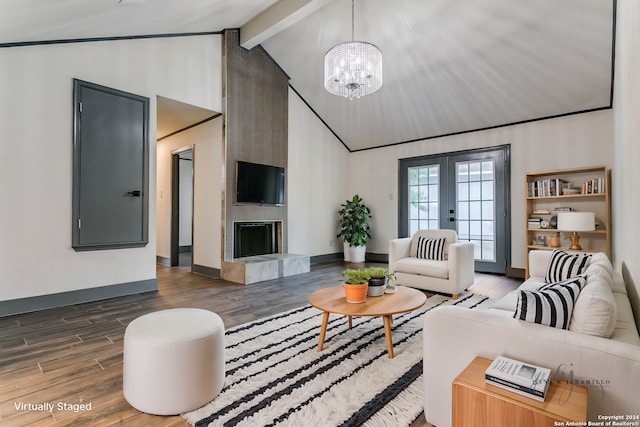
(259, 184)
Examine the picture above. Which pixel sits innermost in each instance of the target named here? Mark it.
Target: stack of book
(534, 222)
(522, 378)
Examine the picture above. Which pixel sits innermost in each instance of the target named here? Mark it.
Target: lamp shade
(576, 221)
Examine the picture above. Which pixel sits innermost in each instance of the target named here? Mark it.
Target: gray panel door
(465, 191)
(110, 168)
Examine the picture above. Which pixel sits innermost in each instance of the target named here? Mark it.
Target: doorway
(465, 191)
(182, 207)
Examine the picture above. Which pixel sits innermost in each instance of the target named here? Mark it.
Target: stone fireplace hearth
(257, 250)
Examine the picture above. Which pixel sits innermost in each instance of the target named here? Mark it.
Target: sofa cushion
(423, 267)
(431, 248)
(595, 310)
(552, 305)
(563, 266)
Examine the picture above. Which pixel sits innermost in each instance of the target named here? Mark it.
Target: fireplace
(255, 238)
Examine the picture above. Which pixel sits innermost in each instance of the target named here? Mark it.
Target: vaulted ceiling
(450, 66)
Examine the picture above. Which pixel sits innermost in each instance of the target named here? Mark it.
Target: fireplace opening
(254, 238)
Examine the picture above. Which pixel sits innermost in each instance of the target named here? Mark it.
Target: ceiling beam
(276, 18)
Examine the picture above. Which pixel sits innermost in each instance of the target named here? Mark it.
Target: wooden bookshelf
(591, 193)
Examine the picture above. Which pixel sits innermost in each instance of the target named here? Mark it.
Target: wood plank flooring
(73, 355)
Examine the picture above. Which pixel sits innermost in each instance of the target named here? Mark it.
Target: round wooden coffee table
(332, 300)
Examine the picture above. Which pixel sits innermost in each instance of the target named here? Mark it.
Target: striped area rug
(276, 377)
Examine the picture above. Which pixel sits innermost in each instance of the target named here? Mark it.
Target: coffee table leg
(323, 330)
(387, 319)
(350, 323)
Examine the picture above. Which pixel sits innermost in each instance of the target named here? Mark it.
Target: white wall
(626, 173)
(565, 142)
(206, 140)
(36, 257)
(317, 182)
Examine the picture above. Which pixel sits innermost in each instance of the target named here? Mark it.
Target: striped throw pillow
(551, 305)
(431, 248)
(563, 266)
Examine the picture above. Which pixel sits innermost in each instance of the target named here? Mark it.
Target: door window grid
(475, 184)
(424, 187)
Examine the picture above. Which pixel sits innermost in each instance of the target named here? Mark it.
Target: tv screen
(259, 184)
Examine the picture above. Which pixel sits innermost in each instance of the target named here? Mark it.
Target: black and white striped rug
(276, 377)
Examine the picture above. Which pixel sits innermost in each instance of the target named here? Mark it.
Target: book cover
(524, 378)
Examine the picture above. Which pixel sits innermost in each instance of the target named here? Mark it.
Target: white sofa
(610, 367)
(451, 276)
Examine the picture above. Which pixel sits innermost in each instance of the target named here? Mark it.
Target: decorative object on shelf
(539, 241)
(544, 224)
(553, 221)
(353, 69)
(554, 241)
(354, 228)
(355, 285)
(574, 222)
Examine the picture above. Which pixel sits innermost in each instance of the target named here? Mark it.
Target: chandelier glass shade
(353, 69)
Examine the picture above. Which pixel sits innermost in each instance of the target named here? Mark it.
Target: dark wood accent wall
(255, 97)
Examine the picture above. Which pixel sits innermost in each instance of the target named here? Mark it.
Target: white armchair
(452, 275)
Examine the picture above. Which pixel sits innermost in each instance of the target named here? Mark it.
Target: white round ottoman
(173, 360)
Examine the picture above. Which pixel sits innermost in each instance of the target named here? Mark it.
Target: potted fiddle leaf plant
(355, 285)
(377, 280)
(354, 228)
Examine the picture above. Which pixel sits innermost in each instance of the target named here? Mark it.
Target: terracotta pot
(355, 294)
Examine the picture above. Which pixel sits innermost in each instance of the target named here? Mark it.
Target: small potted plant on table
(377, 280)
(355, 285)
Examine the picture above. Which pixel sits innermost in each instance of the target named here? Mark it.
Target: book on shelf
(546, 187)
(541, 212)
(563, 209)
(593, 186)
(522, 378)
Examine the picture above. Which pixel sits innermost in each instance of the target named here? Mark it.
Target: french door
(465, 191)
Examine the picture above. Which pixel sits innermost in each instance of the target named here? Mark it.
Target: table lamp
(574, 222)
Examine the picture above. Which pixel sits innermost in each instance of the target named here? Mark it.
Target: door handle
(134, 193)
(451, 219)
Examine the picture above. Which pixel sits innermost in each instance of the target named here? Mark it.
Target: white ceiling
(450, 66)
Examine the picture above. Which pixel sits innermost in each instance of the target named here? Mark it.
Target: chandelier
(353, 69)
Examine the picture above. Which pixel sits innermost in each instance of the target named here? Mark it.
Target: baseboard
(44, 302)
(206, 271)
(516, 273)
(319, 259)
(163, 261)
(383, 258)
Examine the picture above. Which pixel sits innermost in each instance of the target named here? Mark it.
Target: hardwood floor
(72, 356)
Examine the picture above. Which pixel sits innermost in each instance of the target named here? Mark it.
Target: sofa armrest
(398, 249)
(461, 265)
(453, 336)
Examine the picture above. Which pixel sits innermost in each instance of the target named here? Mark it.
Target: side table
(476, 403)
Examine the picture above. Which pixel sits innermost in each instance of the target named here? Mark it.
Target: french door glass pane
(424, 203)
(476, 207)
